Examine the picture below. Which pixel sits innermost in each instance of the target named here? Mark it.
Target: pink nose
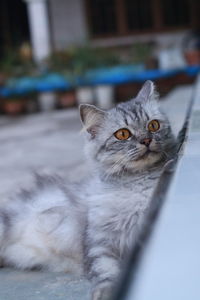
(146, 142)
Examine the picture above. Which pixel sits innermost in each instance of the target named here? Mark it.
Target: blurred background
(58, 53)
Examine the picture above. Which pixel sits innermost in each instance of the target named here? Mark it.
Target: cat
(91, 228)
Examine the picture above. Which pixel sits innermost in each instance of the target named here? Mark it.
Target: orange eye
(122, 134)
(153, 125)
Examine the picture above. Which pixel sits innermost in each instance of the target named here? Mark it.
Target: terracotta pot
(14, 107)
(193, 57)
(66, 99)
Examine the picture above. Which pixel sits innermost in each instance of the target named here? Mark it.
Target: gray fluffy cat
(93, 225)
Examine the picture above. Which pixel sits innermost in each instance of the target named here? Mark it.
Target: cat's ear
(92, 118)
(147, 92)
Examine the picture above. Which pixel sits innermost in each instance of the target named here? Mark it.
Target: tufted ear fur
(92, 118)
(147, 92)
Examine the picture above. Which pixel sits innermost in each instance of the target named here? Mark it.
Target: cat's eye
(153, 125)
(122, 134)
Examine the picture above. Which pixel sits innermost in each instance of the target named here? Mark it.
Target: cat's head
(133, 136)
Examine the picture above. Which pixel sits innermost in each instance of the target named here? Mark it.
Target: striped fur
(95, 225)
(124, 182)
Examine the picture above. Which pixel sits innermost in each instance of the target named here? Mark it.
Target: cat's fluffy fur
(95, 224)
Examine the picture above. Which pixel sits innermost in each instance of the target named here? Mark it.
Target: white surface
(39, 28)
(47, 101)
(104, 96)
(170, 59)
(85, 95)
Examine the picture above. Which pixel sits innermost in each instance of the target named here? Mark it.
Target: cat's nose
(146, 142)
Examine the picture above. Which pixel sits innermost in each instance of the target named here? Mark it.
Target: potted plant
(66, 98)
(142, 53)
(86, 60)
(72, 64)
(76, 65)
(14, 105)
(15, 65)
(85, 94)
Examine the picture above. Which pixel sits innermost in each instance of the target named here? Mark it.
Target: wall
(68, 22)
(69, 26)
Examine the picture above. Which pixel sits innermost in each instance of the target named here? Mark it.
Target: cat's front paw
(102, 292)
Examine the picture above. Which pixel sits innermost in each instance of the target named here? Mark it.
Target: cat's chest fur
(117, 209)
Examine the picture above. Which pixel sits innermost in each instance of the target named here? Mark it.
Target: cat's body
(43, 228)
(95, 224)
(115, 218)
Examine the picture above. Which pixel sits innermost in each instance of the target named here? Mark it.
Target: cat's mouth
(146, 154)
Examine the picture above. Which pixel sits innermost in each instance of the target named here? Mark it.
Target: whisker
(165, 155)
(115, 167)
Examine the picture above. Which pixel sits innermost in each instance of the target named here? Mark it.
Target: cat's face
(130, 137)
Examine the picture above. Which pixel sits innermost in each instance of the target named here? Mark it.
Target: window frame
(158, 20)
